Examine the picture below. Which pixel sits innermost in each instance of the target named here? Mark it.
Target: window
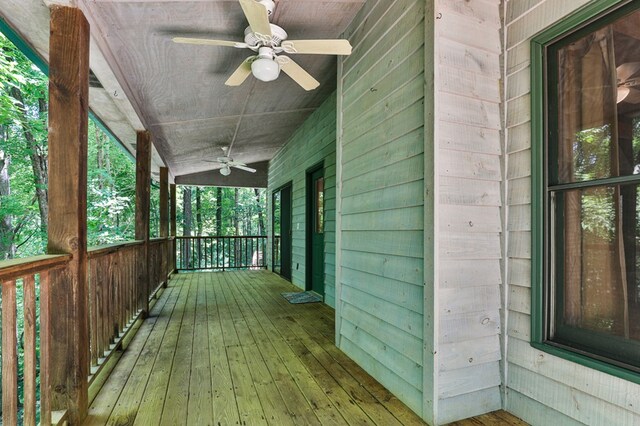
(587, 236)
(319, 204)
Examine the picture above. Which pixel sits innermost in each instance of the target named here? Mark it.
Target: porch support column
(164, 222)
(143, 196)
(174, 204)
(68, 121)
(164, 202)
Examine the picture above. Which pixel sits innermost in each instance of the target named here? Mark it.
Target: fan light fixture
(265, 68)
(225, 170)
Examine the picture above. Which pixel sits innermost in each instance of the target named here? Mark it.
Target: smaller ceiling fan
(269, 41)
(628, 76)
(227, 162)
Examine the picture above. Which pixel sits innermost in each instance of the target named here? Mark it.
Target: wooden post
(68, 123)
(164, 223)
(143, 199)
(173, 215)
(172, 219)
(164, 202)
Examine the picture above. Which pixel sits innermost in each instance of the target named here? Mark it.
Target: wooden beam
(174, 232)
(164, 202)
(68, 124)
(143, 199)
(174, 206)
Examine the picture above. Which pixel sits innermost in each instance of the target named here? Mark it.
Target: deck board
(226, 348)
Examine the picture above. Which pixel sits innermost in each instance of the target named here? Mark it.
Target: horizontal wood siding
(541, 388)
(381, 89)
(313, 142)
(468, 228)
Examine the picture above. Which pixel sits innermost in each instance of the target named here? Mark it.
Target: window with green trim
(591, 189)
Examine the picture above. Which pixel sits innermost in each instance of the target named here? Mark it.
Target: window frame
(603, 11)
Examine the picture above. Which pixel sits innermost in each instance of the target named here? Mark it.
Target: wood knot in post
(73, 243)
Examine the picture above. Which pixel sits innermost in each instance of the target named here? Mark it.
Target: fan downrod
(269, 4)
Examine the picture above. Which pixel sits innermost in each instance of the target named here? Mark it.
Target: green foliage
(23, 133)
(111, 191)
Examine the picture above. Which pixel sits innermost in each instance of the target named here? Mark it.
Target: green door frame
(310, 227)
(286, 228)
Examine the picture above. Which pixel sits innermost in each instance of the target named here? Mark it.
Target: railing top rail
(106, 249)
(16, 268)
(184, 237)
(158, 240)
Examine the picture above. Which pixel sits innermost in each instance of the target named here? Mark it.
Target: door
(281, 216)
(315, 231)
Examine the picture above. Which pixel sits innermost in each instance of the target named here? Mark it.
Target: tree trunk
(199, 223)
(7, 231)
(259, 207)
(236, 225)
(38, 157)
(199, 210)
(219, 212)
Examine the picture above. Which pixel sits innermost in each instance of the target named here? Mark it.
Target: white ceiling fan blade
(257, 15)
(318, 47)
(241, 73)
(623, 92)
(235, 163)
(208, 42)
(627, 70)
(297, 73)
(245, 168)
(633, 97)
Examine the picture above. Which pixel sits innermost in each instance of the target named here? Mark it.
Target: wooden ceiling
(177, 91)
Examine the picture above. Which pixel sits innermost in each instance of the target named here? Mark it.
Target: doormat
(302, 297)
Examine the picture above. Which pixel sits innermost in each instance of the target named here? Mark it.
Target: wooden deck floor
(226, 348)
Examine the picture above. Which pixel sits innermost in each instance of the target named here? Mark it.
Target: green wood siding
(542, 388)
(381, 123)
(313, 142)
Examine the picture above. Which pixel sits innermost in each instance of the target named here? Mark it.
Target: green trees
(209, 211)
(23, 153)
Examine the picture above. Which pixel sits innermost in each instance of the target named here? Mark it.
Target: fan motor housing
(278, 35)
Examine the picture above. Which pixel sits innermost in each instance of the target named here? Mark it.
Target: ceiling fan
(227, 162)
(628, 76)
(269, 41)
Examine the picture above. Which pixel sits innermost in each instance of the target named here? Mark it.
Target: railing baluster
(215, 252)
(9, 355)
(93, 317)
(29, 285)
(45, 343)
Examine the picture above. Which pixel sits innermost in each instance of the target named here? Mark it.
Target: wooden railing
(160, 254)
(115, 300)
(113, 296)
(221, 253)
(31, 276)
(116, 297)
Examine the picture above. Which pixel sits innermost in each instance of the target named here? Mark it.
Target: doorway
(281, 231)
(315, 230)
